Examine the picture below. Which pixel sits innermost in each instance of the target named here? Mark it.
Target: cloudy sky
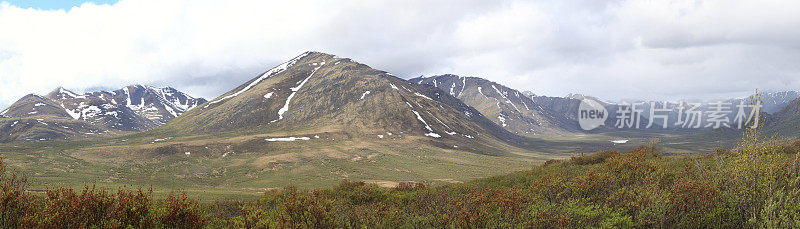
(615, 50)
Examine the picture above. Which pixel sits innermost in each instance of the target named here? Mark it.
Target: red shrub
(179, 211)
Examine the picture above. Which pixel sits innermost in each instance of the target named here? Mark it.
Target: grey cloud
(615, 50)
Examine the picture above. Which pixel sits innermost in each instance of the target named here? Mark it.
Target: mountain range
(317, 92)
(63, 114)
(314, 120)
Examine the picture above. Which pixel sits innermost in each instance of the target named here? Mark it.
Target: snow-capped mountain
(509, 108)
(773, 101)
(132, 108)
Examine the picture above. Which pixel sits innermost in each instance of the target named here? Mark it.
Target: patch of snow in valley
(365, 94)
(160, 139)
(287, 139)
(620, 141)
(502, 120)
(435, 135)
(268, 95)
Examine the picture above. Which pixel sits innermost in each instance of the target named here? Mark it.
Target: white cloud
(611, 49)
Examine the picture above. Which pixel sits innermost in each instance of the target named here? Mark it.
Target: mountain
(786, 120)
(568, 105)
(132, 108)
(772, 101)
(509, 108)
(317, 92)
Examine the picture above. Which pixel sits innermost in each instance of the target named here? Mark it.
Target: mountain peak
(61, 93)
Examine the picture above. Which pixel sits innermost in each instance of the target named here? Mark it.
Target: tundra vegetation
(755, 184)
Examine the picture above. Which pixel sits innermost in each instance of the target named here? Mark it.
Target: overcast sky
(611, 49)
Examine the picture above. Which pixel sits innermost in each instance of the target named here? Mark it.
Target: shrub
(179, 211)
(14, 203)
(595, 158)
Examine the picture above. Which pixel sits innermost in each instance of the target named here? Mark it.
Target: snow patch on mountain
(421, 95)
(271, 72)
(285, 107)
